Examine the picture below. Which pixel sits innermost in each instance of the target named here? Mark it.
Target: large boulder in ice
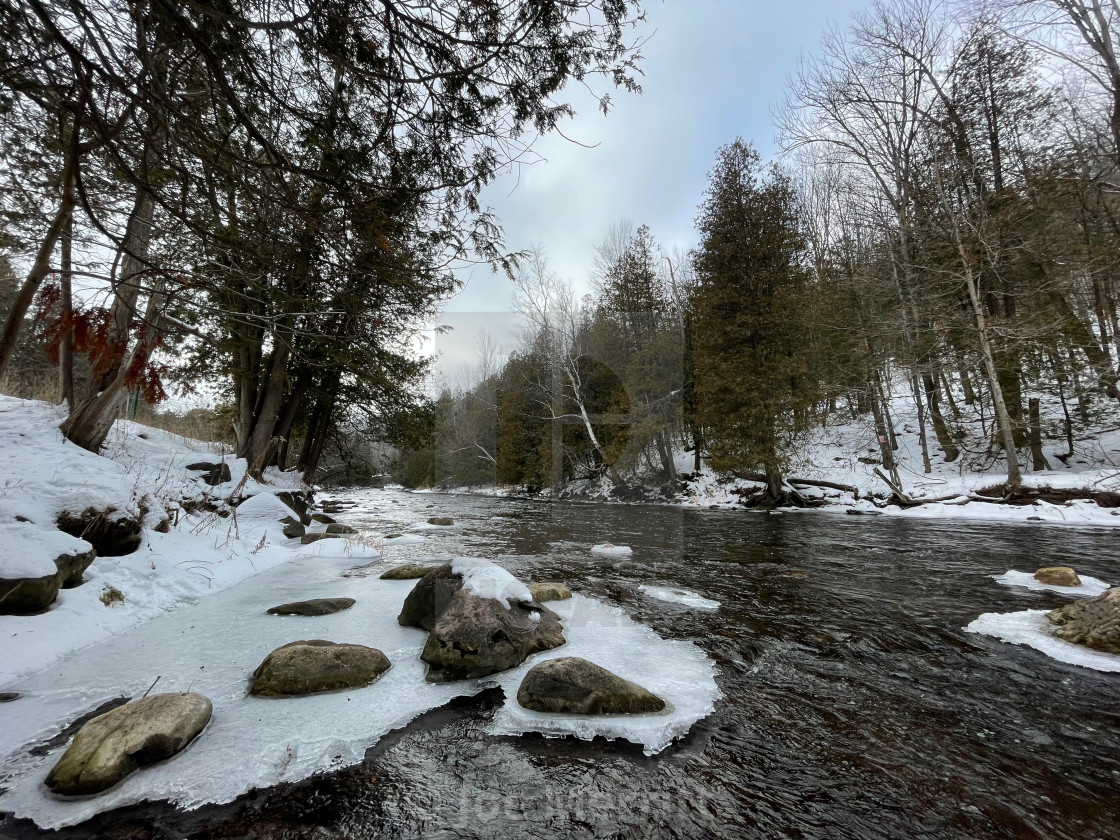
(429, 598)
(308, 667)
(477, 636)
(339, 528)
(480, 618)
(117, 743)
(570, 685)
(549, 591)
(441, 521)
(1058, 576)
(408, 571)
(112, 533)
(316, 606)
(1093, 622)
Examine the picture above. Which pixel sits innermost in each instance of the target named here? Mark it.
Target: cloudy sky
(712, 71)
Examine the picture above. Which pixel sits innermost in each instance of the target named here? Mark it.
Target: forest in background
(942, 223)
(267, 201)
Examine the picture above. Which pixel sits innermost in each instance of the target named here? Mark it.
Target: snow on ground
(1031, 628)
(213, 647)
(1089, 585)
(42, 475)
(680, 596)
(612, 550)
(487, 580)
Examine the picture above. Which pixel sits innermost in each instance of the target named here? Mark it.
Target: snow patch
(680, 596)
(29, 549)
(486, 580)
(1031, 628)
(1089, 585)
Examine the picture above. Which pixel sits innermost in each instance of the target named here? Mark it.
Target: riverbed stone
(315, 665)
(409, 571)
(443, 521)
(315, 606)
(71, 567)
(294, 530)
(322, 519)
(307, 539)
(549, 591)
(339, 528)
(24, 596)
(212, 474)
(113, 745)
(474, 637)
(1093, 622)
(110, 532)
(570, 685)
(470, 636)
(1058, 576)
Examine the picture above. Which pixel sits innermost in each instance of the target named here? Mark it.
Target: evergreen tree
(753, 385)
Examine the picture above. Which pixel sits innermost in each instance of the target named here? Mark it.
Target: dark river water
(855, 706)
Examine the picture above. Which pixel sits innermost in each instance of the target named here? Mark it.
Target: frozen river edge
(213, 646)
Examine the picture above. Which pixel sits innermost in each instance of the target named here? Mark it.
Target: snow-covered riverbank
(844, 452)
(185, 616)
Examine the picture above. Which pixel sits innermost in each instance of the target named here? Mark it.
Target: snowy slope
(143, 469)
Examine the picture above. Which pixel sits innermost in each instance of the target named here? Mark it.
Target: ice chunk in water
(612, 550)
(680, 596)
(678, 672)
(1089, 585)
(1030, 627)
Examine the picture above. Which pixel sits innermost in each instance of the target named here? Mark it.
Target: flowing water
(855, 705)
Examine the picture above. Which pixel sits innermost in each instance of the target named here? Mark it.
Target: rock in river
(441, 521)
(117, 743)
(308, 667)
(570, 685)
(470, 635)
(549, 591)
(307, 539)
(316, 606)
(409, 571)
(1058, 576)
(1093, 622)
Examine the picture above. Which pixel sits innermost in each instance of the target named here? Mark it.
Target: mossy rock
(316, 606)
(113, 745)
(316, 665)
(549, 591)
(570, 685)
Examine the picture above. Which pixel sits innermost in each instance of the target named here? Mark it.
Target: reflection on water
(855, 706)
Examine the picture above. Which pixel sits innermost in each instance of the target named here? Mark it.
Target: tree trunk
(940, 427)
(66, 341)
(264, 425)
(1038, 458)
(93, 416)
(126, 290)
(38, 273)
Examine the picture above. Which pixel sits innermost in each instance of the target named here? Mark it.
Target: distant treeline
(944, 219)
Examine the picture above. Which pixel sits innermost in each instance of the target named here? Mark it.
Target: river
(855, 705)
